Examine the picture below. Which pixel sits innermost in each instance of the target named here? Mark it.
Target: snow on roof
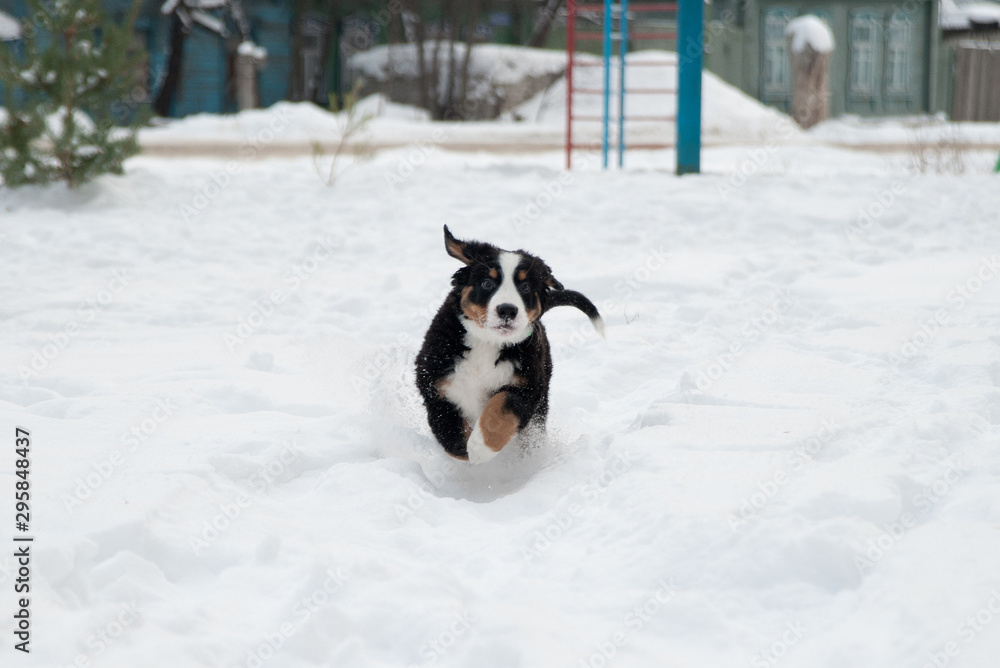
(810, 30)
(967, 14)
(10, 28)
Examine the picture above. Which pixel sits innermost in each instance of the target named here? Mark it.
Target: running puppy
(484, 367)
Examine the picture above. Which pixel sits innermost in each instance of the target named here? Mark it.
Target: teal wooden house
(205, 84)
(886, 60)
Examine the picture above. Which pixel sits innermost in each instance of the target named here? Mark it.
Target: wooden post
(249, 59)
(810, 43)
(810, 87)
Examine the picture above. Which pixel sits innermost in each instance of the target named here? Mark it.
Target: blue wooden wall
(271, 28)
(207, 57)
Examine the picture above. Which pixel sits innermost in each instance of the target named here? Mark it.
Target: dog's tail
(577, 300)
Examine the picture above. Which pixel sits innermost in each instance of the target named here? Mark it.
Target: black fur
(446, 343)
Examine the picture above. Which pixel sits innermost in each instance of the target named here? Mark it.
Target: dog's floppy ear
(550, 280)
(457, 249)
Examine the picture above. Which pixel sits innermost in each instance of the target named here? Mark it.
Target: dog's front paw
(479, 453)
(494, 430)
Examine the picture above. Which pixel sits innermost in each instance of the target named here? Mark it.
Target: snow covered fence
(86, 313)
(962, 293)
(632, 623)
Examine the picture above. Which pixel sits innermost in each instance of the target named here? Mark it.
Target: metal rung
(653, 35)
(627, 118)
(599, 36)
(597, 147)
(638, 91)
(664, 63)
(595, 36)
(641, 7)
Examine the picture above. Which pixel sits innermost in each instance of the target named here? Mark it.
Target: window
(777, 61)
(898, 50)
(864, 53)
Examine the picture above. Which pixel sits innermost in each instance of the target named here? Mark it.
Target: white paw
(478, 452)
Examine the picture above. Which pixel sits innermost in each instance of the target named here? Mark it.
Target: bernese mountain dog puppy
(484, 366)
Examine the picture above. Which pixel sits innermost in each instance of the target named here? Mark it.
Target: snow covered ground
(729, 116)
(784, 454)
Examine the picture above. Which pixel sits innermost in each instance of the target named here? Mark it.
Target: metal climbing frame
(619, 15)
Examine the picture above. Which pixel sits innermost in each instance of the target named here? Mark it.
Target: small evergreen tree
(66, 86)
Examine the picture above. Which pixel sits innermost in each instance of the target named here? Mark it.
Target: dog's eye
(525, 288)
(487, 284)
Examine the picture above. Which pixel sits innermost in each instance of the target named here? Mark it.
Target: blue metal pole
(607, 83)
(622, 48)
(690, 23)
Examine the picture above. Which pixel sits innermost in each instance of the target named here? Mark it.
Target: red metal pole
(570, 45)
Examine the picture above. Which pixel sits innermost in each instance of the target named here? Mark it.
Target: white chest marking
(477, 377)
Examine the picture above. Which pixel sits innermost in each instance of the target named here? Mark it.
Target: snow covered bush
(67, 87)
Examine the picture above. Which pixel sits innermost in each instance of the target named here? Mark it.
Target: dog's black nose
(507, 311)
